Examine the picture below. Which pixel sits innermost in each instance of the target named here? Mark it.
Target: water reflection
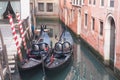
(87, 67)
(84, 67)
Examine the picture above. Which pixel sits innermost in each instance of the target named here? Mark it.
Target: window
(80, 2)
(49, 7)
(64, 2)
(73, 1)
(41, 6)
(101, 28)
(83, 1)
(102, 3)
(111, 3)
(77, 2)
(86, 19)
(89, 1)
(94, 2)
(93, 24)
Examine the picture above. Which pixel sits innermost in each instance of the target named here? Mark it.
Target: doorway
(112, 42)
(109, 47)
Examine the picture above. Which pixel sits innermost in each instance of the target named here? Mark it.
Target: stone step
(11, 61)
(12, 66)
(11, 57)
(12, 71)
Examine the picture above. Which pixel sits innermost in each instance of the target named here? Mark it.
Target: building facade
(45, 8)
(97, 22)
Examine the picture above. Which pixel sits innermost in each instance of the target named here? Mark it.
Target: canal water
(84, 66)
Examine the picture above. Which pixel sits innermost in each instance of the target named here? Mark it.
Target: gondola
(66, 36)
(62, 52)
(38, 52)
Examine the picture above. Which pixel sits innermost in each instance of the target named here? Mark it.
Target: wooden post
(1, 71)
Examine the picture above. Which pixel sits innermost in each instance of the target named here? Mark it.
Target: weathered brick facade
(105, 14)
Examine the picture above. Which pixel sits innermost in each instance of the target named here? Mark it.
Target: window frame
(86, 19)
(48, 7)
(90, 2)
(110, 5)
(102, 3)
(39, 7)
(94, 2)
(92, 23)
(101, 28)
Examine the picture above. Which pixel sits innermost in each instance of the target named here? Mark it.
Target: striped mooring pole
(15, 37)
(21, 31)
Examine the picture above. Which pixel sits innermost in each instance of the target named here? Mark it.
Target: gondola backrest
(58, 47)
(35, 47)
(66, 47)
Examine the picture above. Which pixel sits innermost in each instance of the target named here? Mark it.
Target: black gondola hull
(58, 63)
(36, 56)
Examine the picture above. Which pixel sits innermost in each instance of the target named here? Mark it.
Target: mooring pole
(15, 37)
(1, 71)
(21, 31)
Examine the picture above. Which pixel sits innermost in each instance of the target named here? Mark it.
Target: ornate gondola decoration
(61, 54)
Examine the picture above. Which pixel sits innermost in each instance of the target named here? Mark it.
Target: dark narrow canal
(84, 66)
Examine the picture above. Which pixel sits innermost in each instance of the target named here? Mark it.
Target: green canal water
(83, 66)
